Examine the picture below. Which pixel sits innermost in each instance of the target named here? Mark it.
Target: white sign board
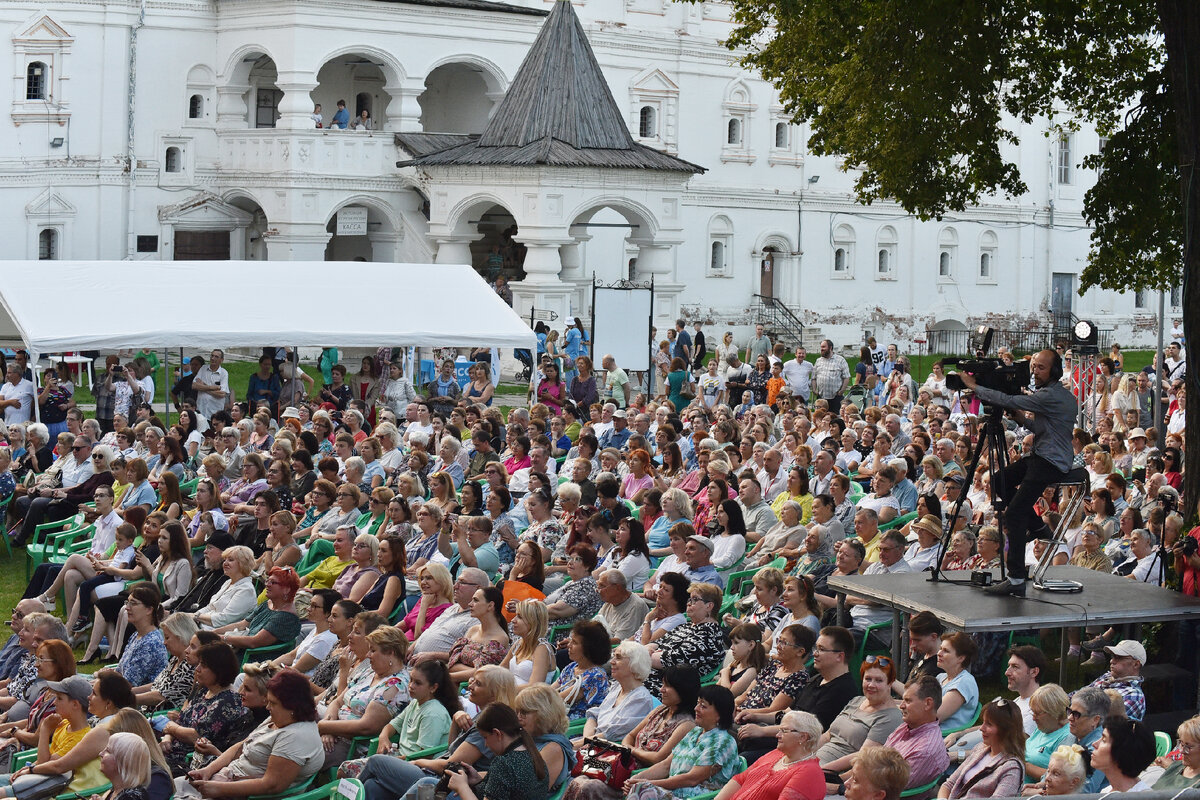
(621, 321)
(352, 221)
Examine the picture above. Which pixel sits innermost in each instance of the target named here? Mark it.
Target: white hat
(1136, 433)
(1128, 647)
(291, 412)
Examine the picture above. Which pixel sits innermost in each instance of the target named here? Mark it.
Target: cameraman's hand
(968, 379)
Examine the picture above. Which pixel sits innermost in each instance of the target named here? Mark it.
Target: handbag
(604, 761)
(32, 786)
(688, 390)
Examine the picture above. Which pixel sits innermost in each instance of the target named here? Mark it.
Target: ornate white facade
(217, 157)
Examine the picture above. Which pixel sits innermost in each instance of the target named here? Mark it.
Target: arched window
(734, 132)
(985, 265)
(839, 260)
(48, 245)
(35, 81)
(944, 264)
(781, 135)
(647, 123)
(988, 244)
(885, 253)
(947, 253)
(172, 160)
(195, 107)
(884, 261)
(843, 251)
(717, 259)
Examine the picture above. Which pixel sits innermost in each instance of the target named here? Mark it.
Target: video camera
(990, 372)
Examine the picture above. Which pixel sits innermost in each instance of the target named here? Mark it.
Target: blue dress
(144, 658)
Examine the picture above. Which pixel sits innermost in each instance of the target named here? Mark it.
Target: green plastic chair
(1162, 743)
(861, 653)
(57, 547)
(575, 727)
(921, 791)
(27, 757)
(898, 521)
(266, 653)
(348, 789)
(971, 724)
(711, 678)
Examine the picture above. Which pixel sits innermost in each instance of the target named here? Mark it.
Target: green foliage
(915, 95)
(1134, 208)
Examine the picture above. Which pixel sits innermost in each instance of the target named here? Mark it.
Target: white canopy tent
(204, 304)
(199, 305)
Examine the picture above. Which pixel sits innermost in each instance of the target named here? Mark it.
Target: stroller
(526, 358)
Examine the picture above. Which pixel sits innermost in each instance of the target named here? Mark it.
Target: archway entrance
(766, 272)
(458, 98)
(359, 80)
(496, 252)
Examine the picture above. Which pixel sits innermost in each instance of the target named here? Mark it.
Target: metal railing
(1019, 342)
(779, 319)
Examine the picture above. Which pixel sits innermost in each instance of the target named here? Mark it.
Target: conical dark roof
(558, 111)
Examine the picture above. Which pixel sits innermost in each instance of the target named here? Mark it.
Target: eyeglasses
(79, 447)
(357, 545)
(1184, 747)
(96, 457)
(819, 649)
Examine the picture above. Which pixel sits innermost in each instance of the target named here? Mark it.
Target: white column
(454, 249)
(542, 261)
(403, 112)
(297, 241)
(296, 105)
(232, 108)
(655, 259)
(383, 246)
(571, 256)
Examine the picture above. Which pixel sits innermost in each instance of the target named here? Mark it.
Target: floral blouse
(701, 646)
(658, 729)
(590, 688)
(580, 595)
(769, 684)
(546, 534)
(144, 658)
(476, 654)
(757, 383)
(221, 719)
(391, 693)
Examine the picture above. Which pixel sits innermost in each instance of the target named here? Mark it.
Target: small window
(647, 123)
(717, 261)
(985, 265)
(196, 107)
(147, 243)
(173, 159)
(944, 265)
(48, 245)
(1066, 167)
(781, 135)
(839, 260)
(734, 132)
(1139, 298)
(1176, 296)
(884, 261)
(35, 81)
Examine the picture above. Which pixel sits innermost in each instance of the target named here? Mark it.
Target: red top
(803, 780)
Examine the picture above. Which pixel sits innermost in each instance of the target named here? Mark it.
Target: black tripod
(994, 442)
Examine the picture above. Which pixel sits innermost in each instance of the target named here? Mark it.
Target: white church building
(597, 139)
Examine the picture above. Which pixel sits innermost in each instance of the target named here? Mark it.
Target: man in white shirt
(891, 562)
(539, 461)
(797, 374)
(772, 477)
(435, 641)
(211, 385)
(16, 397)
(78, 468)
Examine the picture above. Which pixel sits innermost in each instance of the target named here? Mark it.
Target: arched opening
(944, 264)
(253, 241)
(947, 336)
(647, 123)
(359, 80)
(355, 228)
(497, 252)
(716, 260)
(985, 265)
(839, 260)
(195, 107)
(48, 245)
(456, 99)
(35, 81)
(171, 163)
(781, 135)
(734, 132)
(610, 236)
(766, 272)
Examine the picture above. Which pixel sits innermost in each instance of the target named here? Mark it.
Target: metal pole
(167, 384)
(295, 364)
(1156, 414)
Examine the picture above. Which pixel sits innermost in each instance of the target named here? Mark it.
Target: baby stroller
(526, 358)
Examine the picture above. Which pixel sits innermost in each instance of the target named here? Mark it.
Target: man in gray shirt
(623, 612)
(1054, 410)
(453, 623)
(760, 519)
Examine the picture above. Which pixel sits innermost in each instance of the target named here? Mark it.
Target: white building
(184, 129)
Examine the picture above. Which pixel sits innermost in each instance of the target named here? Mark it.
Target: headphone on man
(1056, 366)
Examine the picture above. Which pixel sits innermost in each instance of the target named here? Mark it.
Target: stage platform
(1105, 600)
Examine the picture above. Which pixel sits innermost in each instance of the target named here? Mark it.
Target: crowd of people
(607, 594)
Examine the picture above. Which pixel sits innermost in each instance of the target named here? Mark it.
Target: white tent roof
(206, 304)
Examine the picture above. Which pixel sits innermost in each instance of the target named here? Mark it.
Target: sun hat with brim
(929, 524)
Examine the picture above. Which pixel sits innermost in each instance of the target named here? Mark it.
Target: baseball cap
(1128, 647)
(76, 687)
(620, 413)
(704, 542)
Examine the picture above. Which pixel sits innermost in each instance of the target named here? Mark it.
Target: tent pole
(167, 384)
(37, 407)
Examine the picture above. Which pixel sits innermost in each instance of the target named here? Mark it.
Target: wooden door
(767, 274)
(202, 245)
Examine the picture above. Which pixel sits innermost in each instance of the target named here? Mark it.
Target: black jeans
(1024, 482)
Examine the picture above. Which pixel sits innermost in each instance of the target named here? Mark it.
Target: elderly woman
(819, 558)
(252, 481)
(125, 761)
(579, 599)
(1049, 705)
(699, 643)
(996, 767)
(787, 533)
(1125, 749)
(676, 507)
(791, 770)
(961, 552)
(865, 722)
(424, 542)
(214, 713)
(273, 621)
(236, 598)
(627, 702)
(358, 578)
(277, 757)
(705, 759)
(1065, 774)
(765, 608)
(171, 687)
(373, 696)
(321, 500)
(1184, 773)
(932, 473)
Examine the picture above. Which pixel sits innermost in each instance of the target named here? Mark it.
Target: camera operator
(1049, 413)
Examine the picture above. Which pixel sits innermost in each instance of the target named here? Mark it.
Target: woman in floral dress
(216, 714)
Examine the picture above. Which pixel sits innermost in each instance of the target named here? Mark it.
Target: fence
(1017, 341)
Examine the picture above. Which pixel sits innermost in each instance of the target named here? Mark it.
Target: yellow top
(325, 573)
(63, 741)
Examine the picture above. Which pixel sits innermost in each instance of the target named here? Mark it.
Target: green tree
(924, 97)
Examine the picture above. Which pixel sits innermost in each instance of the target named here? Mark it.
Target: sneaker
(81, 625)
(1092, 645)
(1097, 660)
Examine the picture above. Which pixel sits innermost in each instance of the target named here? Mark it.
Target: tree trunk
(1181, 32)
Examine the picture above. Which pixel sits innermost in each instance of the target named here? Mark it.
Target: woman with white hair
(676, 507)
(125, 761)
(627, 702)
(789, 770)
(237, 598)
(358, 578)
(1065, 775)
